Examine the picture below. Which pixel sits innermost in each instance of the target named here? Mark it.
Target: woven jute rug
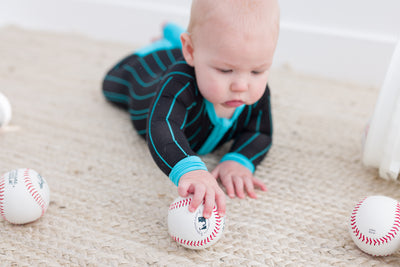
(109, 202)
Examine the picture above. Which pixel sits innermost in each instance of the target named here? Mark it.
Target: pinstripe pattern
(159, 91)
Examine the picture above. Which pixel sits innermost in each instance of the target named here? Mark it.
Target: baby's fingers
(239, 186)
(197, 199)
(220, 202)
(228, 183)
(248, 183)
(209, 203)
(258, 183)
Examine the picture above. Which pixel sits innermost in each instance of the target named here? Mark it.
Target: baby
(193, 91)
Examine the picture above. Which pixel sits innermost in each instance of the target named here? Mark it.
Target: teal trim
(262, 152)
(239, 158)
(186, 115)
(142, 132)
(151, 116)
(159, 62)
(184, 121)
(221, 126)
(248, 116)
(147, 67)
(247, 142)
(171, 56)
(181, 62)
(196, 118)
(129, 85)
(180, 73)
(194, 135)
(270, 115)
(188, 164)
(234, 126)
(136, 117)
(115, 97)
(259, 121)
(138, 79)
(192, 146)
(191, 106)
(137, 112)
(169, 113)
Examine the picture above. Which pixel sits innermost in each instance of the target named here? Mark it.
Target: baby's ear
(187, 48)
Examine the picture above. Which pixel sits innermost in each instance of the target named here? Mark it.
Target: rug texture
(109, 202)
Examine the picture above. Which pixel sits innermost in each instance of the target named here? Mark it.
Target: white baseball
(24, 196)
(191, 229)
(5, 111)
(375, 225)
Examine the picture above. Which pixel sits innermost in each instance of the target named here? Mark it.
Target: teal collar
(222, 122)
(221, 126)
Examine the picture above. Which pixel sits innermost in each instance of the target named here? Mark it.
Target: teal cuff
(239, 158)
(186, 165)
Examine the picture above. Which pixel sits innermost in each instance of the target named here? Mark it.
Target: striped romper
(159, 90)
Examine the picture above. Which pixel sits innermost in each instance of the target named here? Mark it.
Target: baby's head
(231, 44)
(230, 14)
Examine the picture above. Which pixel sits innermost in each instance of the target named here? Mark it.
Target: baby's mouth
(233, 103)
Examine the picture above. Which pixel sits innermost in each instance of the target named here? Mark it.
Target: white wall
(349, 40)
(134, 21)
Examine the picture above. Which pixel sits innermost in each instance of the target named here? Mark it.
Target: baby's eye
(255, 72)
(225, 70)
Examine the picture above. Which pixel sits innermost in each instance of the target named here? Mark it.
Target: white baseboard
(326, 52)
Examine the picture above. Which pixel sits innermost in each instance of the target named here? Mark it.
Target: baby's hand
(202, 185)
(236, 177)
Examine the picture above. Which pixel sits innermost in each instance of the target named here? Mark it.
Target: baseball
(375, 225)
(191, 229)
(24, 196)
(5, 111)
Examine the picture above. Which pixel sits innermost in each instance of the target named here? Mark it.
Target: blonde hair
(247, 13)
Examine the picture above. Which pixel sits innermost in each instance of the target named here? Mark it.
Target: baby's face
(232, 68)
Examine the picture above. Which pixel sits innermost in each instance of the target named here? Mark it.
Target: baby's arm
(249, 148)
(202, 185)
(170, 147)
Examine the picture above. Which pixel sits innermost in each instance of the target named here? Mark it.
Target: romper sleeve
(253, 143)
(166, 139)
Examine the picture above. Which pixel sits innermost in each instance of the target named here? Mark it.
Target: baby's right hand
(202, 185)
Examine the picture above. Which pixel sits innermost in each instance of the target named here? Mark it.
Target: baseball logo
(375, 225)
(191, 229)
(201, 224)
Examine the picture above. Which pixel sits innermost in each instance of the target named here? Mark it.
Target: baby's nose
(239, 86)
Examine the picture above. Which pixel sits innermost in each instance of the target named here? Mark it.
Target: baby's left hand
(237, 178)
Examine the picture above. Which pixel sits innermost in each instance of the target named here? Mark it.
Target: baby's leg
(132, 82)
(127, 86)
(116, 83)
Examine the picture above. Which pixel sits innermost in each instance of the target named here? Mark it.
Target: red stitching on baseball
(2, 185)
(377, 241)
(35, 194)
(208, 239)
